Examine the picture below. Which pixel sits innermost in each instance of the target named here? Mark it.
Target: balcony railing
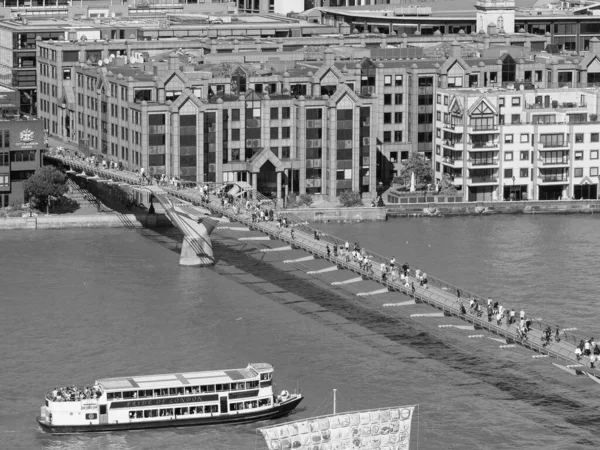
(452, 144)
(485, 127)
(554, 178)
(484, 145)
(555, 162)
(483, 162)
(483, 179)
(553, 145)
(555, 105)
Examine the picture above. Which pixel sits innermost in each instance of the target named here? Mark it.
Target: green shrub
(349, 199)
(305, 199)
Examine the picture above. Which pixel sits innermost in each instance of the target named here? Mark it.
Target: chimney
(173, 61)
(328, 57)
(595, 46)
(455, 49)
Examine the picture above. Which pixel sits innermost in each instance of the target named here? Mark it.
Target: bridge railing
(195, 196)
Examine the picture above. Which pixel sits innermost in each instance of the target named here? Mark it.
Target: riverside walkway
(300, 236)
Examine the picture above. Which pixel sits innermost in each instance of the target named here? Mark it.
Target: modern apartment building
(21, 141)
(540, 144)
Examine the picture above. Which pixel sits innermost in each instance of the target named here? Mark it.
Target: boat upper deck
(184, 379)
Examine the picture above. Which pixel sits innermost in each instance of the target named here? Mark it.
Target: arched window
(500, 23)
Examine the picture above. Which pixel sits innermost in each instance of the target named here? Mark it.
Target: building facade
(22, 139)
(541, 144)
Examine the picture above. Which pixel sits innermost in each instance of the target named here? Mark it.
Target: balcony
(483, 180)
(458, 163)
(458, 181)
(456, 145)
(553, 145)
(483, 128)
(473, 163)
(484, 145)
(554, 179)
(452, 128)
(556, 105)
(553, 162)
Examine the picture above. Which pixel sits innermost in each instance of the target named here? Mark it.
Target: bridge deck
(439, 294)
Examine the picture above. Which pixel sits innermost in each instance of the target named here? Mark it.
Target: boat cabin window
(223, 387)
(167, 412)
(139, 414)
(176, 391)
(91, 416)
(145, 393)
(196, 410)
(209, 388)
(250, 404)
(264, 402)
(252, 384)
(181, 411)
(265, 376)
(238, 386)
(150, 413)
(130, 394)
(211, 409)
(114, 396)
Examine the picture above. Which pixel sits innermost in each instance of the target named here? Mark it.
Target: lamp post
(513, 187)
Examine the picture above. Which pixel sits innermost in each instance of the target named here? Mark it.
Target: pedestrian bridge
(198, 217)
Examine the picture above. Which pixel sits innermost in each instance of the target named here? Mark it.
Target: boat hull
(280, 410)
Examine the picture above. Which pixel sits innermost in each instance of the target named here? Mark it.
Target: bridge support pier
(191, 257)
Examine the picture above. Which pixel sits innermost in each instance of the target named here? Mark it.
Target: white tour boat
(178, 399)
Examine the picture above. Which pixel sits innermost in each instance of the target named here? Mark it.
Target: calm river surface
(84, 304)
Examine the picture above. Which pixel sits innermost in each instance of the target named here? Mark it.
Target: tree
(447, 187)
(350, 198)
(45, 183)
(421, 168)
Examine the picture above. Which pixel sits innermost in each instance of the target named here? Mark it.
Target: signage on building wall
(26, 139)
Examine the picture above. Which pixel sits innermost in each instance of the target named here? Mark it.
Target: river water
(84, 304)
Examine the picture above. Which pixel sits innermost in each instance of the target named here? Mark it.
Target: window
(398, 99)
(285, 113)
(285, 152)
(387, 80)
(593, 171)
(438, 115)
(274, 133)
(387, 99)
(524, 155)
(455, 81)
(235, 115)
(446, 100)
(398, 80)
(578, 155)
(578, 172)
(508, 173)
(501, 101)
(398, 117)
(397, 136)
(285, 132)
(235, 134)
(387, 117)
(387, 136)
(524, 138)
(524, 173)
(515, 118)
(594, 154)
(274, 113)
(594, 137)
(508, 156)
(508, 138)
(516, 101)
(579, 137)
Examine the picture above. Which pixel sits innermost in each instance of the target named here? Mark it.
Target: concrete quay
(104, 220)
